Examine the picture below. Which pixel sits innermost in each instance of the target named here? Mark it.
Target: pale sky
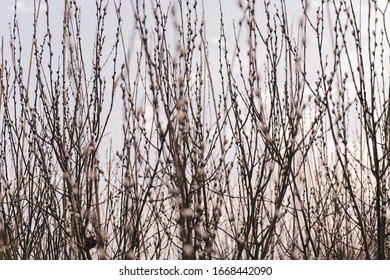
(211, 8)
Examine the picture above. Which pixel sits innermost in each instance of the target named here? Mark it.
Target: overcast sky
(230, 9)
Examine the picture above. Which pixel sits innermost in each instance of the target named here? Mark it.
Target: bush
(274, 145)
